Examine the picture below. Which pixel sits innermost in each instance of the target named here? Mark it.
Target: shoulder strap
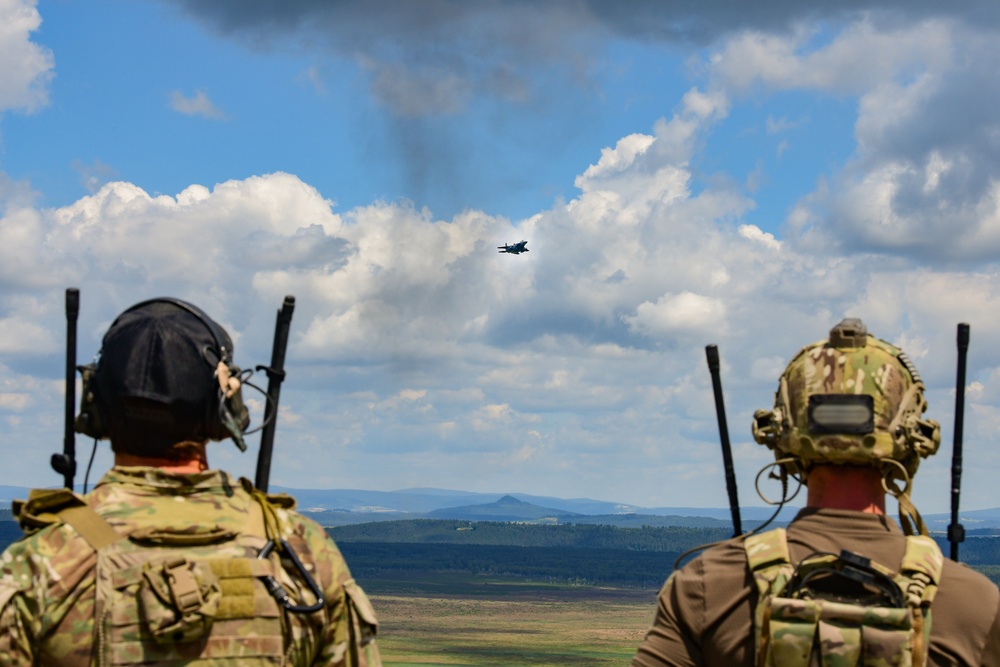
(923, 557)
(91, 526)
(767, 553)
(919, 574)
(771, 566)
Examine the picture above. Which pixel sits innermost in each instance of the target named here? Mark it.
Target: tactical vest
(199, 595)
(842, 610)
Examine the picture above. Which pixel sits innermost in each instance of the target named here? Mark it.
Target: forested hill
(587, 536)
(598, 554)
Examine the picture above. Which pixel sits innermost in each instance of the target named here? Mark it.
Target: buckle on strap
(278, 591)
(182, 584)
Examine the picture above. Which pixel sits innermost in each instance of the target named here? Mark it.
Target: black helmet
(157, 381)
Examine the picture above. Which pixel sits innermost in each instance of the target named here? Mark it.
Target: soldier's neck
(857, 488)
(196, 462)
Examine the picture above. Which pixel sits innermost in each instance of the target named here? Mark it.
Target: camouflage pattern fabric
(210, 528)
(807, 632)
(878, 370)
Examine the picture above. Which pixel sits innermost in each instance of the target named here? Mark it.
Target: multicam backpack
(198, 594)
(842, 610)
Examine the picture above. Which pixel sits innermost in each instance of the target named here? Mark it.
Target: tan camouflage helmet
(851, 399)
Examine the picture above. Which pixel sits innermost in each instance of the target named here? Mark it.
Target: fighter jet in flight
(515, 249)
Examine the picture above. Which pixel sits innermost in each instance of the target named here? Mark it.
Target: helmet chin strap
(909, 517)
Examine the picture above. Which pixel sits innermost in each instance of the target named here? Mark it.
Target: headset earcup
(91, 419)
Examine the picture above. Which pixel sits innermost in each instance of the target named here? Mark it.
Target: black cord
(785, 498)
(90, 463)
(267, 401)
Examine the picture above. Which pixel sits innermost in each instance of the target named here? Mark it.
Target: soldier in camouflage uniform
(843, 585)
(167, 562)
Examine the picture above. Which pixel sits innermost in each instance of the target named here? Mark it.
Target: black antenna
(712, 352)
(275, 375)
(956, 532)
(65, 463)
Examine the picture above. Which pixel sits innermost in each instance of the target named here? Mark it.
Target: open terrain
(439, 619)
(502, 593)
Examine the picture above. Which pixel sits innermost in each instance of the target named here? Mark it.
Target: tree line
(498, 533)
(575, 552)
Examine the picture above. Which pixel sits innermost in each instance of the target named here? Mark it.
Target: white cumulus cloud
(26, 68)
(679, 313)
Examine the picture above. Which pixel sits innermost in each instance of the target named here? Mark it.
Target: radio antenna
(712, 353)
(956, 532)
(275, 376)
(65, 463)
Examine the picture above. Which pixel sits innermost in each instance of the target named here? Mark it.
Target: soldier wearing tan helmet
(843, 585)
(166, 561)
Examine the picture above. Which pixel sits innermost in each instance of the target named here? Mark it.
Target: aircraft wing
(515, 249)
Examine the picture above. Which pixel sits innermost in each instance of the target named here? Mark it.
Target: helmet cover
(851, 399)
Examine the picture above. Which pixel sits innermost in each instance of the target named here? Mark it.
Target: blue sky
(717, 173)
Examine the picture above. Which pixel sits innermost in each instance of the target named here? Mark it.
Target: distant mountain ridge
(507, 508)
(334, 507)
(419, 501)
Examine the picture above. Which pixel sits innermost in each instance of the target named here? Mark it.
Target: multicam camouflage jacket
(185, 587)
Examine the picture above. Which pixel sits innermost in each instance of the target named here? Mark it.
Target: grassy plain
(459, 620)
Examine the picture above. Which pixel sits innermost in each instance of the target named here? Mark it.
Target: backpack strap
(771, 566)
(919, 575)
(922, 563)
(91, 526)
(46, 507)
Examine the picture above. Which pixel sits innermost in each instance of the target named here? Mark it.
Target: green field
(437, 619)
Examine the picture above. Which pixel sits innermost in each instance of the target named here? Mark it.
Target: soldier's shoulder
(964, 610)
(322, 550)
(51, 559)
(960, 581)
(41, 509)
(295, 523)
(304, 518)
(311, 530)
(47, 538)
(728, 553)
(726, 559)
